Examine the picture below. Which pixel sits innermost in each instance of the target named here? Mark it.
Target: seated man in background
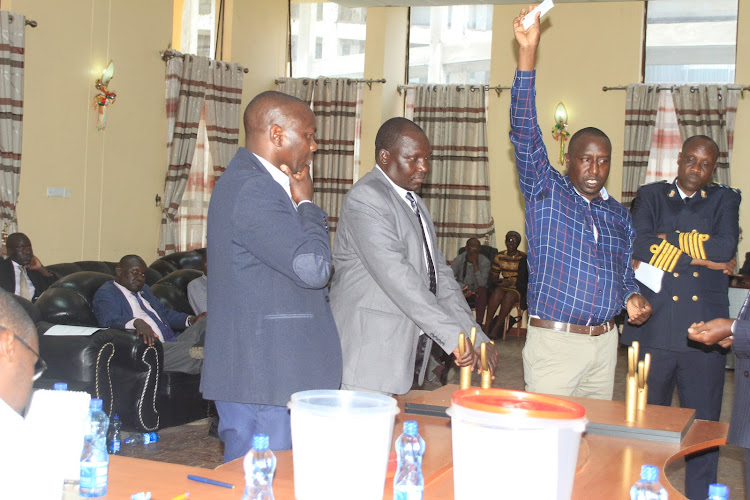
(472, 271)
(22, 273)
(128, 303)
(20, 365)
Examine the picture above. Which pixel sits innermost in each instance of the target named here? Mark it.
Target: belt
(567, 327)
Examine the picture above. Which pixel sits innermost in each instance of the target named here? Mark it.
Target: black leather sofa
(112, 364)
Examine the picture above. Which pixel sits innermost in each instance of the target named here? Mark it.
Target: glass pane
(198, 34)
(691, 41)
(328, 39)
(450, 44)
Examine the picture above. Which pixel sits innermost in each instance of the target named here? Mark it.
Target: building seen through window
(691, 41)
(450, 44)
(198, 33)
(327, 40)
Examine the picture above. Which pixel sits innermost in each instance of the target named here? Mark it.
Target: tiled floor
(190, 444)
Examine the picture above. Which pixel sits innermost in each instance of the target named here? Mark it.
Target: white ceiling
(429, 3)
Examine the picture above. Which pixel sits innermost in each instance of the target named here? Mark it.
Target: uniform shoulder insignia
(736, 190)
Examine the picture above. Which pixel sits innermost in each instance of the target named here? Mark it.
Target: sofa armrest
(111, 365)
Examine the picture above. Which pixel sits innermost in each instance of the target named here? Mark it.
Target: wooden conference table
(607, 466)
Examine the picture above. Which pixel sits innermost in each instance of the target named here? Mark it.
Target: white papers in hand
(650, 276)
(543, 7)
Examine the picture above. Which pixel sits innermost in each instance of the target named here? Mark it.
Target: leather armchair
(112, 364)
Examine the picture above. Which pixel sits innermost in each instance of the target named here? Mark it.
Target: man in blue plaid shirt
(579, 254)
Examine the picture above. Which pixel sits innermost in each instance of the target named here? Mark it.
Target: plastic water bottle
(144, 438)
(718, 491)
(648, 486)
(260, 464)
(408, 483)
(94, 460)
(114, 441)
(60, 386)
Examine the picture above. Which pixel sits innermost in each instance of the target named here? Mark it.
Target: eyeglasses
(40, 365)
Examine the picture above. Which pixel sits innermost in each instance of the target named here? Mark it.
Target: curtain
(11, 114)
(709, 110)
(186, 89)
(337, 104)
(641, 103)
(665, 143)
(216, 144)
(457, 191)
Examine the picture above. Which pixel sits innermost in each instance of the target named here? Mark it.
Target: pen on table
(206, 480)
(181, 497)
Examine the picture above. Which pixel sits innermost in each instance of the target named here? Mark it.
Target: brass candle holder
(636, 389)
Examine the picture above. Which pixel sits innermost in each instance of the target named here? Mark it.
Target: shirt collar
(279, 176)
(603, 193)
(125, 290)
(9, 413)
(401, 191)
(682, 194)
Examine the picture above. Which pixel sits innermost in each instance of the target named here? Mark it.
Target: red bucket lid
(517, 403)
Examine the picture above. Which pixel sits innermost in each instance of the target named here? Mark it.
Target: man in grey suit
(392, 293)
(727, 332)
(270, 332)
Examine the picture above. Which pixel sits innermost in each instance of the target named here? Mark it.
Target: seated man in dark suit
(128, 303)
(22, 262)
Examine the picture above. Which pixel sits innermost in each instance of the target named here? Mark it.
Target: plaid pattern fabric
(666, 143)
(640, 115)
(11, 106)
(573, 278)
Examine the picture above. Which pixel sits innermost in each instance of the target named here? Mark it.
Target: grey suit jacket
(270, 332)
(380, 293)
(739, 427)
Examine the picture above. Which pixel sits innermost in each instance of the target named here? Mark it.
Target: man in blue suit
(270, 332)
(128, 303)
(724, 332)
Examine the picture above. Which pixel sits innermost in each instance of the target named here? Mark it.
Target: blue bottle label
(114, 445)
(408, 492)
(93, 477)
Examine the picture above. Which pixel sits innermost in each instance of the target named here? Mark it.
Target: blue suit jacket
(689, 293)
(112, 309)
(270, 331)
(739, 428)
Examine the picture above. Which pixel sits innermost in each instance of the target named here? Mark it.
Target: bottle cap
(649, 473)
(410, 428)
(153, 437)
(95, 404)
(116, 417)
(260, 442)
(60, 386)
(718, 490)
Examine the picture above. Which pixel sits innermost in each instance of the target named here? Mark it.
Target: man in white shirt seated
(20, 365)
(129, 304)
(22, 273)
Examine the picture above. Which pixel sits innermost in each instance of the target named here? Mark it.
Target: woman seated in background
(510, 275)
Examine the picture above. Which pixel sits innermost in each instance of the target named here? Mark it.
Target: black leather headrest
(31, 309)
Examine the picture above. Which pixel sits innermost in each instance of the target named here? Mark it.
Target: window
(691, 41)
(327, 40)
(198, 33)
(450, 44)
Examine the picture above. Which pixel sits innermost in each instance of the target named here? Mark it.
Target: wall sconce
(560, 132)
(105, 96)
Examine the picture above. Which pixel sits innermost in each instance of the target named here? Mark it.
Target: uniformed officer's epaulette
(655, 182)
(736, 190)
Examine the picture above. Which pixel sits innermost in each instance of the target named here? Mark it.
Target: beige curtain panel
(457, 190)
(709, 110)
(336, 103)
(11, 114)
(641, 106)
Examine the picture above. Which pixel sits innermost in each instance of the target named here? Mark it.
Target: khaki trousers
(570, 364)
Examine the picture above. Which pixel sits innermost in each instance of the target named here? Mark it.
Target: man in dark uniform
(689, 229)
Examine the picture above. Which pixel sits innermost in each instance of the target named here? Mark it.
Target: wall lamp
(560, 132)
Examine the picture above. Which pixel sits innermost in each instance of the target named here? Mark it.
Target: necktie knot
(413, 203)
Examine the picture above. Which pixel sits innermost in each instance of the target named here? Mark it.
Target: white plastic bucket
(340, 443)
(513, 444)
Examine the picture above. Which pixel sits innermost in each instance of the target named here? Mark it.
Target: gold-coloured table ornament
(636, 388)
(465, 379)
(486, 382)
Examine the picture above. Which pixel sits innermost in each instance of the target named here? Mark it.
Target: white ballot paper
(650, 276)
(60, 330)
(543, 7)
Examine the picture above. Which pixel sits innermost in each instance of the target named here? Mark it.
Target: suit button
(675, 298)
(745, 374)
(676, 275)
(695, 274)
(328, 299)
(695, 298)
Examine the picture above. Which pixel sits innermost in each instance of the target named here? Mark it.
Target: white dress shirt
(139, 313)
(20, 274)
